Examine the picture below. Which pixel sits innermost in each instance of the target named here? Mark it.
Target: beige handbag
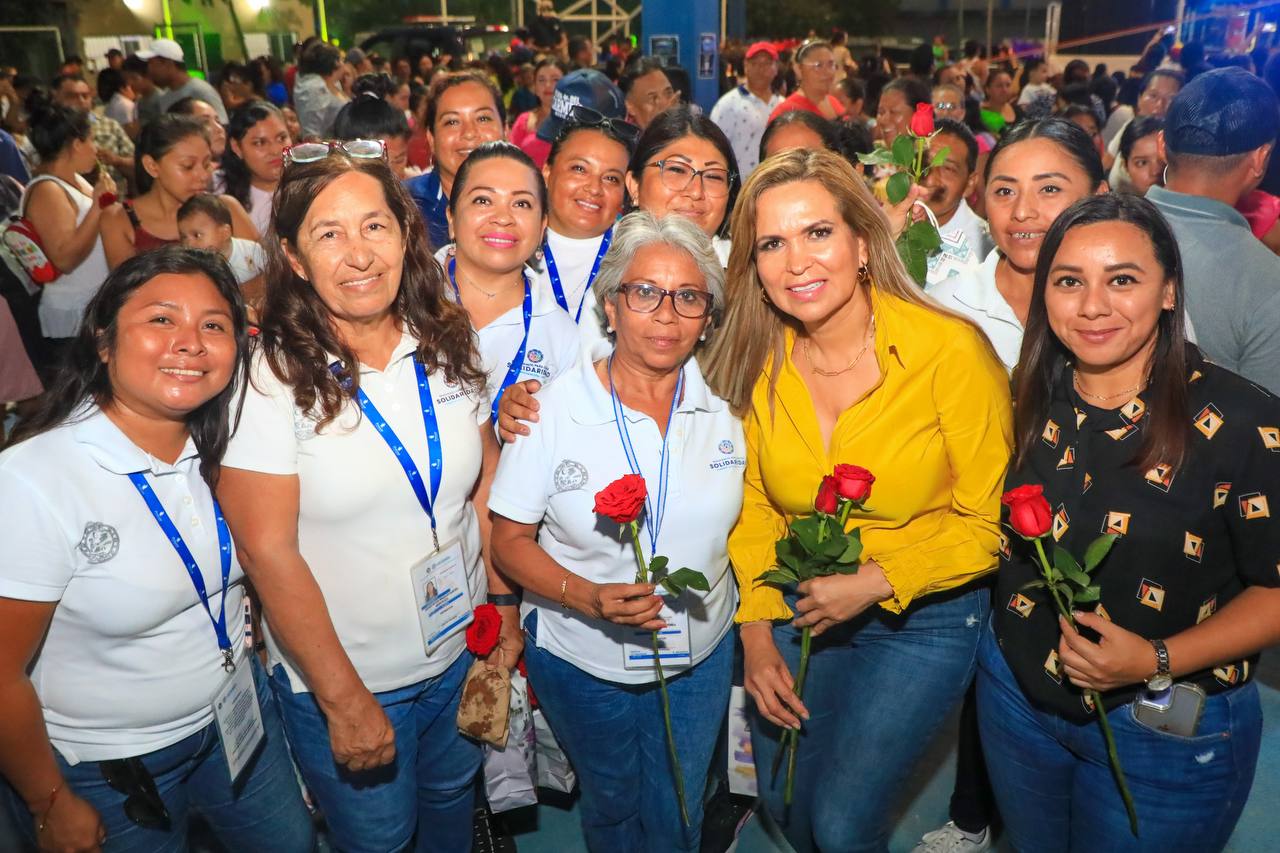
(485, 707)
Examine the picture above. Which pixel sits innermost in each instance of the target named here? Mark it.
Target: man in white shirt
(167, 68)
(316, 94)
(951, 181)
(743, 112)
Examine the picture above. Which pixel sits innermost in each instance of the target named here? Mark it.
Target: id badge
(673, 642)
(238, 717)
(442, 595)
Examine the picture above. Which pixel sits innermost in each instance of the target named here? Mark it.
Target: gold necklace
(871, 336)
(1075, 380)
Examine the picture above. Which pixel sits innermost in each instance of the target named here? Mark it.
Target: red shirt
(798, 101)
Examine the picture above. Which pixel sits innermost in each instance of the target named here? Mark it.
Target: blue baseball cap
(1222, 112)
(585, 87)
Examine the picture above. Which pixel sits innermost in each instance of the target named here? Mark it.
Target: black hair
(1192, 56)
(852, 138)
(1105, 90)
(973, 49)
(445, 82)
(379, 85)
(951, 127)
(53, 127)
(1139, 128)
(1166, 436)
(576, 44)
(242, 120)
(158, 137)
(825, 129)
(1076, 93)
(641, 66)
(84, 378)
(1028, 66)
(369, 116)
(569, 128)
(185, 106)
(235, 72)
(110, 81)
(922, 61)
(853, 89)
(1068, 136)
(1077, 71)
(319, 58)
(208, 204)
(56, 83)
(1073, 110)
(809, 46)
(913, 90)
(676, 123)
(498, 149)
(134, 64)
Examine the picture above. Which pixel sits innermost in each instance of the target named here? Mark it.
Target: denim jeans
(1054, 786)
(429, 788)
(263, 811)
(616, 740)
(879, 687)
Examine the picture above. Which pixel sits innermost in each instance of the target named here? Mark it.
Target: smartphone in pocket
(1176, 710)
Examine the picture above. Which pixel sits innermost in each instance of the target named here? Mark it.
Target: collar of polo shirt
(113, 450)
(597, 408)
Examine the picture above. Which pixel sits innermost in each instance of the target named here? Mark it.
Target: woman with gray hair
(643, 410)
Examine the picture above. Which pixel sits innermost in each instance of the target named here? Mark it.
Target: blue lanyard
(517, 363)
(171, 533)
(434, 451)
(653, 519)
(557, 287)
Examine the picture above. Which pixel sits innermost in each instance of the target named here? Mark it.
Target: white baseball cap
(165, 49)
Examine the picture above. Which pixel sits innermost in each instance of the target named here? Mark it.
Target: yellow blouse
(935, 431)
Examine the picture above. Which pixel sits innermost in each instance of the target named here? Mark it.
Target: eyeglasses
(829, 65)
(688, 303)
(359, 149)
(142, 804)
(581, 116)
(945, 106)
(678, 176)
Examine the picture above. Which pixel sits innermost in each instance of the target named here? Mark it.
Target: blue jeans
(1054, 786)
(616, 740)
(263, 811)
(429, 788)
(878, 689)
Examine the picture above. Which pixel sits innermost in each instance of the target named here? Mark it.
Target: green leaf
(923, 235)
(940, 157)
(899, 185)
(904, 151)
(806, 533)
(657, 566)
(852, 551)
(1097, 551)
(833, 547)
(916, 262)
(777, 576)
(881, 156)
(1055, 576)
(1065, 563)
(682, 579)
(787, 556)
(1027, 587)
(1088, 594)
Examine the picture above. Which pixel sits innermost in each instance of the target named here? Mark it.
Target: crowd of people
(358, 342)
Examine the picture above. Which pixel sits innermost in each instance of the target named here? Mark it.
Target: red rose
(482, 633)
(1030, 515)
(826, 501)
(622, 499)
(922, 121)
(853, 483)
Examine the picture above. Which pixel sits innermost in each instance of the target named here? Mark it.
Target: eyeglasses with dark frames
(678, 176)
(688, 302)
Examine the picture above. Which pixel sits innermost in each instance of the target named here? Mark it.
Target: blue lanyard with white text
(653, 519)
(434, 451)
(171, 533)
(557, 287)
(517, 363)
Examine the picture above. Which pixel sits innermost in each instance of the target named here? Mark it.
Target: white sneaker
(949, 839)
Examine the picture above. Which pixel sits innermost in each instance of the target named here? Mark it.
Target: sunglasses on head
(359, 149)
(580, 116)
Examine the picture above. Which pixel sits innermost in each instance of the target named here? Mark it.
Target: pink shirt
(526, 139)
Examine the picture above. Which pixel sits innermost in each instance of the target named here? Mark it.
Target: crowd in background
(232, 296)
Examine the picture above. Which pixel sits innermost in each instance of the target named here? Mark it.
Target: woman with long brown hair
(831, 355)
(368, 375)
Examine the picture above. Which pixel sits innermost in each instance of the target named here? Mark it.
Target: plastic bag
(510, 772)
(554, 770)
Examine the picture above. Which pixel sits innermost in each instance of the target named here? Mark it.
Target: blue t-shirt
(11, 160)
(431, 200)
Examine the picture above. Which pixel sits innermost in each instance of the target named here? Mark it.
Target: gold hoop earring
(863, 275)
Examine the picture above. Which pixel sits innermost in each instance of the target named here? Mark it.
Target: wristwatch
(507, 599)
(1163, 679)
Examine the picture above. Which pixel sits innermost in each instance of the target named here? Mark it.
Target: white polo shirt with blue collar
(552, 476)
(554, 339)
(130, 663)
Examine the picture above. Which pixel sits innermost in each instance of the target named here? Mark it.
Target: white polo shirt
(131, 662)
(553, 475)
(553, 338)
(743, 117)
(973, 293)
(360, 527)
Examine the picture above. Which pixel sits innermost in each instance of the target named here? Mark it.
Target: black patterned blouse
(1189, 541)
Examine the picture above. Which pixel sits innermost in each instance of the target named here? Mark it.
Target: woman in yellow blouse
(831, 354)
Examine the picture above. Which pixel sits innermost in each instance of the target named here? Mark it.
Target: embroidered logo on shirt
(725, 447)
(99, 543)
(534, 356)
(569, 476)
(1151, 594)
(1209, 421)
(1253, 506)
